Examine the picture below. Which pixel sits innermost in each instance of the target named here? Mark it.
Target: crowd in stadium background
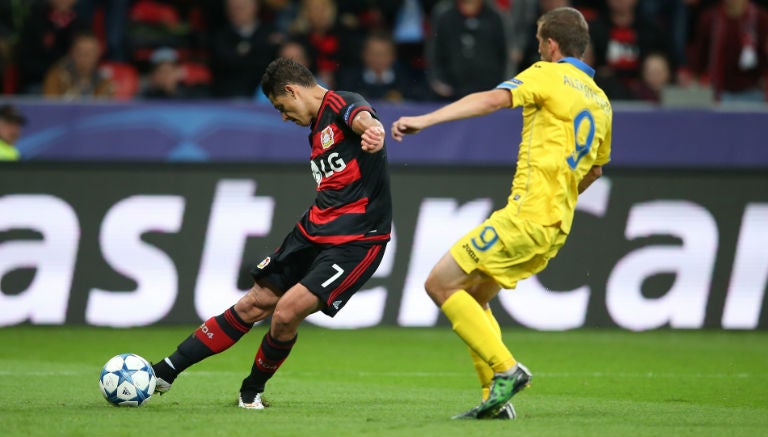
(392, 50)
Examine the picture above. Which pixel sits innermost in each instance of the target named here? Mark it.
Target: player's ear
(290, 90)
(554, 46)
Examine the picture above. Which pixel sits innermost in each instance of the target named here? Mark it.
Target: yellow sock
(472, 325)
(494, 323)
(484, 371)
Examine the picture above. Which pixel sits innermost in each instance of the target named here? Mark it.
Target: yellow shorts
(508, 248)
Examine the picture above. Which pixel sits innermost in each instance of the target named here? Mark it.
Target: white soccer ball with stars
(127, 380)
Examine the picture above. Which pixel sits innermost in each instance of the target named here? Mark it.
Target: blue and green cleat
(505, 385)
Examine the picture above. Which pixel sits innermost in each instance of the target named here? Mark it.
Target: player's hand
(404, 126)
(373, 139)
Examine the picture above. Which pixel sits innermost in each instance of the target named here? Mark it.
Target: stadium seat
(153, 24)
(124, 76)
(195, 74)
(151, 12)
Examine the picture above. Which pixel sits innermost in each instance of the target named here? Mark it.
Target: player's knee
(284, 324)
(435, 290)
(256, 305)
(248, 312)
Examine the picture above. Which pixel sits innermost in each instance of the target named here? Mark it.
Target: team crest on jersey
(264, 263)
(326, 137)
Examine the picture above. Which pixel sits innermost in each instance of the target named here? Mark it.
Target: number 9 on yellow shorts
(508, 248)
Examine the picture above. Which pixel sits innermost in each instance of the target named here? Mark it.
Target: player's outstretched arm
(370, 130)
(472, 105)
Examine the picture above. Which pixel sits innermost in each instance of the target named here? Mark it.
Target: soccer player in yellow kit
(566, 139)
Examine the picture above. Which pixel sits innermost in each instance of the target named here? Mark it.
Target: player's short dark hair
(568, 27)
(282, 72)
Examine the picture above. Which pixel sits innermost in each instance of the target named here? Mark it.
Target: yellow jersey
(8, 152)
(566, 130)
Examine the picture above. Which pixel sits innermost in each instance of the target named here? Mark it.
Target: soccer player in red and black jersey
(333, 249)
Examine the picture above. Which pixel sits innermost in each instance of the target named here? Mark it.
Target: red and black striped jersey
(353, 200)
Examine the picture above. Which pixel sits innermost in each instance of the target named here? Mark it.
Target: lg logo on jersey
(327, 166)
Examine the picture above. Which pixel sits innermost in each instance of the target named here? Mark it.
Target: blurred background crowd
(393, 50)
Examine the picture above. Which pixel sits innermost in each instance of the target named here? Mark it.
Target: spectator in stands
(731, 50)
(241, 50)
(590, 6)
(379, 15)
(295, 50)
(330, 45)
(77, 75)
(281, 13)
(115, 22)
(6, 47)
(356, 19)
(523, 14)
(428, 6)
(622, 38)
(605, 77)
(46, 37)
(409, 34)
(656, 74)
(13, 14)
(381, 77)
(672, 15)
(166, 78)
(181, 24)
(519, 17)
(11, 121)
(694, 10)
(467, 50)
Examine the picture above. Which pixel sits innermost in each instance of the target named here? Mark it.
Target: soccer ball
(127, 380)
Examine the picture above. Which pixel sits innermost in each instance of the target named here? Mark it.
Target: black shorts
(333, 273)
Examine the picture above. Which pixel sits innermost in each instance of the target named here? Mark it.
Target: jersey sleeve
(527, 88)
(354, 104)
(604, 150)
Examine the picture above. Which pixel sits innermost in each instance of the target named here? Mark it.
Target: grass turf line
(395, 382)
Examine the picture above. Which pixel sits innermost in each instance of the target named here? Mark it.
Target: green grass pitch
(395, 382)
